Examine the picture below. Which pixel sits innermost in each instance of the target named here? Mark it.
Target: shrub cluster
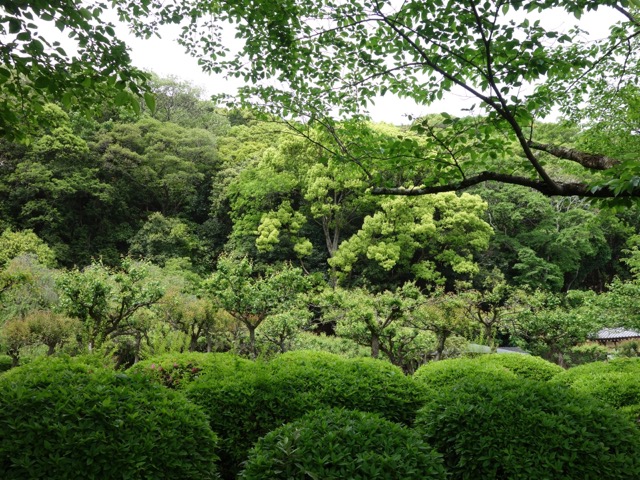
(246, 406)
(523, 366)
(176, 370)
(339, 444)
(64, 419)
(5, 363)
(520, 429)
(616, 382)
(450, 371)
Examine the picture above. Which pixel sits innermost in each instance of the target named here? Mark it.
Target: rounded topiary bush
(520, 429)
(616, 382)
(253, 402)
(448, 372)
(341, 444)
(64, 419)
(524, 366)
(176, 370)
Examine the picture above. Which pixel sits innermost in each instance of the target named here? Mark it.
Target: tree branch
(587, 160)
(561, 189)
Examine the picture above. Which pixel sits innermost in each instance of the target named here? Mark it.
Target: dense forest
(272, 285)
(193, 227)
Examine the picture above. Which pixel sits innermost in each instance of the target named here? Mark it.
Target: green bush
(523, 366)
(176, 370)
(5, 363)
(520, 429)
(448, 372)
(616, 382)
(64, 419)
(342, 444)
(581, 354)
(248, 405)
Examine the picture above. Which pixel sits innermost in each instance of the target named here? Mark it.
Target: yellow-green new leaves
(423, 237)
(283, 219)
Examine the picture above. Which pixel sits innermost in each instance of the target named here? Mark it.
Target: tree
(35, 69)
(251, 298)
(14, 244)
(107, 301)
(312, 58)
(431, 239)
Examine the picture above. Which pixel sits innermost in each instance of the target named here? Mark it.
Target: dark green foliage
(5, 363)
(254, 401)
(177, 370)
(342, 444)
(504, 428)
(616, 382)
(523, 366)
(447, 372)
(63, 419)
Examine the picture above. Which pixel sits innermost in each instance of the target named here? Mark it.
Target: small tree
(250, 297)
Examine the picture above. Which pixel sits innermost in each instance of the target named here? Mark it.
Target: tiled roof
(616, 334)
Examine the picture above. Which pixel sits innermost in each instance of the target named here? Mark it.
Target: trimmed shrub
(616, 382)
(248, 405)
(64, 419)
(342, 444)
(521, 429)
(176, 370)
(523, 366)
(444, 373)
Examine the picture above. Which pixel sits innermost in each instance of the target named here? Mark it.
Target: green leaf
(150, 101)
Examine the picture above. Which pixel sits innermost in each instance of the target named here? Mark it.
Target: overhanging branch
(587, 160)
(559, 189)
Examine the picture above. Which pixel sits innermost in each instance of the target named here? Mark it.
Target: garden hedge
(504, 428)
(523, 366)
(176, 370)
(253, 402)
(616, 382)
(339, 444)
(64, 419)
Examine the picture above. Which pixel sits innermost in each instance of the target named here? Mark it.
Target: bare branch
(587, 160)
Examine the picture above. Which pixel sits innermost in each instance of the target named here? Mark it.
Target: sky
(165, 57)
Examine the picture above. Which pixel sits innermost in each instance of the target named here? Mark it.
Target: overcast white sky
(165, 57)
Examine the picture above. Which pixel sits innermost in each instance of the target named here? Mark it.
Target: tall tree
(312, 58)
(35, 68)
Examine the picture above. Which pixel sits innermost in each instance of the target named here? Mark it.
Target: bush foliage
(64, 419)
(253, 402)
(521, 429)
(176, 370)
(616, 382)
(450, 371)
(523, 366)
(341, 444)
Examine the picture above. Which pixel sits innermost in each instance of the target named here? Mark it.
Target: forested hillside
(193, 227)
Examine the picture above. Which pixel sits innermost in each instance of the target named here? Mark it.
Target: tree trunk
(375, 346)
(442, 338)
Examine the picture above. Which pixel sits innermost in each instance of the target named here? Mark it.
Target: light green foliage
(279, 331)
(14, 244)
(27, 285)
(502, 427)
(35, 69)
(380, 321)
(443, 314)
(338, 444)
(39, 327)
(77, 420)
(431, 238)
(107, 301)
(330, 344)
(318, 60)
(250, 297)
